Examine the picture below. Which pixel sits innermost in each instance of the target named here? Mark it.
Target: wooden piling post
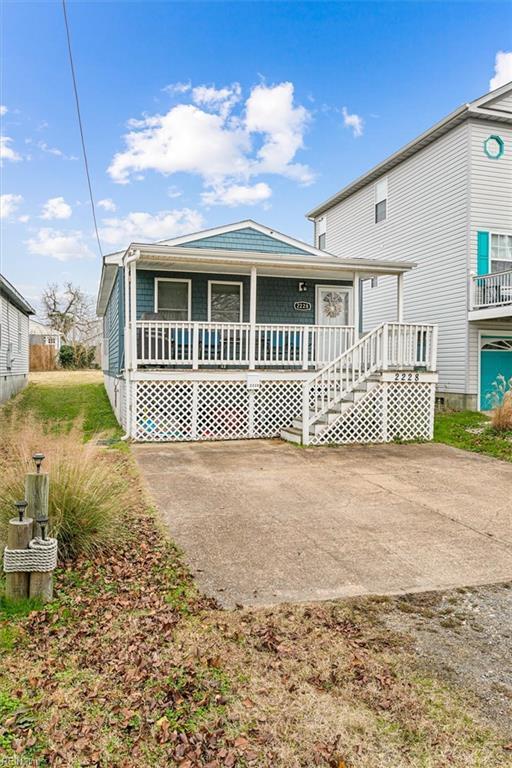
(19, 533)
(36, 493)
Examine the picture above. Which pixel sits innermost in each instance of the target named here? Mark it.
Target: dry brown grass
(63, 378)
(501, 419)
(88, 490)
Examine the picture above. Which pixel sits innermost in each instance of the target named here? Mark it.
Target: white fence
(494, 290)
(197, 345)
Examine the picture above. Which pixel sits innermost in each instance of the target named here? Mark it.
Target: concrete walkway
(262, 522)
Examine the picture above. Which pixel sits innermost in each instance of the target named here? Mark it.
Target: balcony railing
(493, 290)
(198, 344)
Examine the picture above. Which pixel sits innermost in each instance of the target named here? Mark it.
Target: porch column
(133, 314)
(356, 309)
(252, 319)
(127, 323)
(400, 298)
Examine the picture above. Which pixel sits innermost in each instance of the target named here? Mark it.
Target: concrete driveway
(262, 522)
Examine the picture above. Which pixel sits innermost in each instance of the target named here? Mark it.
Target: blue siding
(114, 326)
(246, 239)
(275, 295)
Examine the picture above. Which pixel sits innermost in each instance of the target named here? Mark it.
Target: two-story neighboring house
(14, 318)
(443, 201)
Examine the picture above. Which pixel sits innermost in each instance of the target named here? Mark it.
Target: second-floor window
(381, 200)
(501, 252)
(321, 230)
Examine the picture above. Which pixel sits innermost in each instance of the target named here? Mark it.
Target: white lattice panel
(390, 411)
(276, 404)
(164, 410)
(214, 410)
(410, 411)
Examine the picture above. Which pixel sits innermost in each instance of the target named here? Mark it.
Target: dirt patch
(465, 635)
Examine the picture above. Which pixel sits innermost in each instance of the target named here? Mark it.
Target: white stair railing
(389, 346)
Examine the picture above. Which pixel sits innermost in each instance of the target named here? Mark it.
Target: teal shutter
(482, 253)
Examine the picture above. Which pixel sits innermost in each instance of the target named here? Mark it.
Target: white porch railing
(198, 344)
(493, 290)
(398, 346)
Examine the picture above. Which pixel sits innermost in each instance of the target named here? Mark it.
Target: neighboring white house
(444, 201)
(43, 334)
(14, 319)
(241, 331)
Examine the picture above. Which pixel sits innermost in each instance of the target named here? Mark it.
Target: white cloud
(24, 218)
(44, 147)
(224, 146)
(63, 246)
(355, 122)
(142, 226)
(502, 70)
(237, 194)
(173, 191)
(271, 112)
(56, 208)
(3, 110)
(9, 204)
(177, 88)
(7, 152)
(220, 100)
(107, 204)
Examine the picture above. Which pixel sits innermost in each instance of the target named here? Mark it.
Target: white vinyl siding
(13, 331)
(428, 226)
(491, 211)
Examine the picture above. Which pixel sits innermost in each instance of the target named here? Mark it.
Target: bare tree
(71, 311)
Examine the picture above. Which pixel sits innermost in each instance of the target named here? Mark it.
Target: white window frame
(503, 234)
(379, 198)
(188, 281)
(320, 229)
(225, 282)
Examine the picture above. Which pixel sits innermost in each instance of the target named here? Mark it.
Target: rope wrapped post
(36, 491)
(19, 534)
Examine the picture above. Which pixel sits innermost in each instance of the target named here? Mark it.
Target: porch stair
(348, 395)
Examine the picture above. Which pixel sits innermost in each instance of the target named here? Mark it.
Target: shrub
(88, 486)
(76, 356)
(500, 400)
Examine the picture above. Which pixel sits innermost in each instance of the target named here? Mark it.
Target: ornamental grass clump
(500, 401)
(88, 486)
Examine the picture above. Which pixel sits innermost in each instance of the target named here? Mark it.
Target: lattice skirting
(390, 411)
(214, 410)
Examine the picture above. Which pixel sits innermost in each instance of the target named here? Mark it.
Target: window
(501, 252)
(320, 230)
(19, 332)
(224, 302)
(381, 200)
(172, 297)
(374, 282)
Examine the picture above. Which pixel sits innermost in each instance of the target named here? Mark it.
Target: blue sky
(232, 110)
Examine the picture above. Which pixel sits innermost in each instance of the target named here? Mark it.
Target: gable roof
(495, 106)
(14, 296)
(245, 235)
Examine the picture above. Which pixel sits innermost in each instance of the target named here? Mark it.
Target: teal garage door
(496, 360)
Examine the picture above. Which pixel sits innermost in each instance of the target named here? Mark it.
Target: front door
(495, 370)
(332, 309)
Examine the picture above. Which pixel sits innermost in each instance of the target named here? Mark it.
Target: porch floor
(262, 522)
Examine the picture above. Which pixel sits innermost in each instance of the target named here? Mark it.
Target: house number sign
(302, 306)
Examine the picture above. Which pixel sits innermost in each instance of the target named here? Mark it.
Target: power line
(86, 162)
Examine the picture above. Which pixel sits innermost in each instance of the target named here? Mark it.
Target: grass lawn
(472, 432)
(61, 399)
(131, 667)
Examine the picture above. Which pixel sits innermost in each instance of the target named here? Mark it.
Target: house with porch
(240, 331)
(443, 201)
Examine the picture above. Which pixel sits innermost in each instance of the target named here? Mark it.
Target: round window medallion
(494, 147)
